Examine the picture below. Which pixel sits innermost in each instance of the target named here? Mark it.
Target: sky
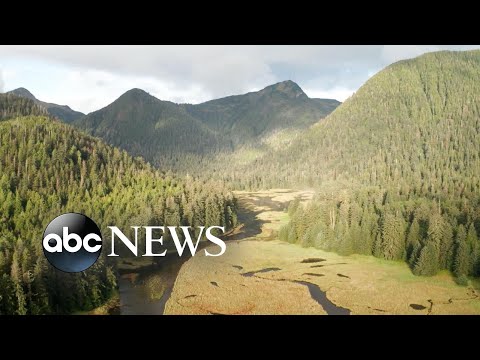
(89, 77)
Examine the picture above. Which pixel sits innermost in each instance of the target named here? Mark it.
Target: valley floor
(259, 274)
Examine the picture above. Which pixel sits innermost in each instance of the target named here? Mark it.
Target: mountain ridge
(396, 167)
(278, 106)
(413, 93)
(146, 126)
(179, 136)
(62, 112)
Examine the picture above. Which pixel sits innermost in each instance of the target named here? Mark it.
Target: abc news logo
(72, 242)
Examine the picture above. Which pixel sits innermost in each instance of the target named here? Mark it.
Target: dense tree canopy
(403, 153)
(61, 112)
(48, 168)
(12, 106)
(396, 167)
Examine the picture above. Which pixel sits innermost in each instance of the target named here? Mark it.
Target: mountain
(418, 115)
(397, 167)
(162, 132)
(49, 168)
(12, 106)
(61, 112)
(22, 92)
(246, 118)
(198, 138)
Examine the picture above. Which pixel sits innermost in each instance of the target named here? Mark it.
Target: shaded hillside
(160, 131)
(203, 138)
(246, 118)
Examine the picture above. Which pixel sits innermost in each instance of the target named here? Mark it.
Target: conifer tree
(474, 249)
(427, 262)
(461, 264)
(393, 237)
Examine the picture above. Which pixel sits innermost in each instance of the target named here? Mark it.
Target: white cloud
(89, 77)
(99, 88)
(338, 93)
(1, 81)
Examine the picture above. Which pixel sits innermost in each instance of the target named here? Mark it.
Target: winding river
(134, 299)
(135, 292)
(135, 286)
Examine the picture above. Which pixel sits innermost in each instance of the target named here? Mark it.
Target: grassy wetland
(261, 275)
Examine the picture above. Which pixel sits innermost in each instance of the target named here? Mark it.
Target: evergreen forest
(396, 170)
(48, 168)
(397, 166)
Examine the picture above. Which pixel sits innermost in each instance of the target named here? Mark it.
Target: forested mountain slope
(246, 118)
(206, 137)
(12, 106)
(62, 112)
(160, 131)
(48, 168)
(407, 122)
(403, 157)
